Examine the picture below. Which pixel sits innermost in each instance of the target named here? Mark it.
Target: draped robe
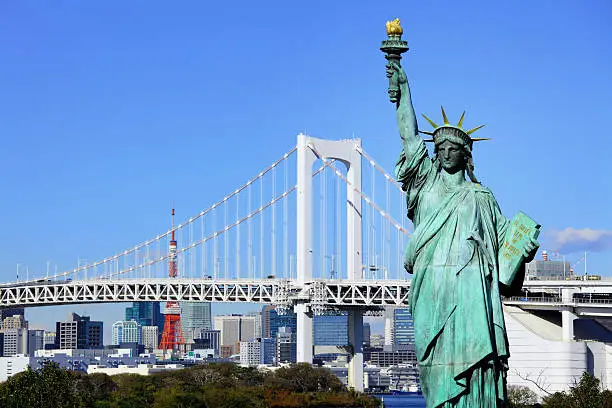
(460, 335)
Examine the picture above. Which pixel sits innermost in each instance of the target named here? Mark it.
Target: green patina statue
(464, 254)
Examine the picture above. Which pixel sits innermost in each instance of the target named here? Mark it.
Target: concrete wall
(539, 359)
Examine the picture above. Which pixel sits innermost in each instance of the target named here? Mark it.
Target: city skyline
(108, 104)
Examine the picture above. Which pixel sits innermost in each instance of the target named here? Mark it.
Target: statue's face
(451, 156)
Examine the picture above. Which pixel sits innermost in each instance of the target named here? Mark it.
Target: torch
(394, 47)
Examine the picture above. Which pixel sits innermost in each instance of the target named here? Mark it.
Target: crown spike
(461, 119)
(469, 132)
(444, 116)
(431, 122)
(478, 139)
(426, 133)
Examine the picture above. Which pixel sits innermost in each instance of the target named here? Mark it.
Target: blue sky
(111, 110)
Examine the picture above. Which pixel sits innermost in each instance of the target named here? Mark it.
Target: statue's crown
(451, 132)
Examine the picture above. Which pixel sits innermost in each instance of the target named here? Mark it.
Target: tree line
(586, 393)
(215, 385)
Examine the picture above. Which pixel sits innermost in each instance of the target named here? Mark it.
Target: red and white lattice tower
(172, 336)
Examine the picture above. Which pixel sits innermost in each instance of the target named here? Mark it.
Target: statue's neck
(453, 180)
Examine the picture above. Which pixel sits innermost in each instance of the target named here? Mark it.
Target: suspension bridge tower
(172, 336)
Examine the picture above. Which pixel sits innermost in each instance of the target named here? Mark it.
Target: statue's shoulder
(478, 188)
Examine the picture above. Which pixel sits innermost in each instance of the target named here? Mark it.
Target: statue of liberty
(463, 253)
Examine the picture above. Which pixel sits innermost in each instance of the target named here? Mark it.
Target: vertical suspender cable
(387, 262)
(191, 251)
(250, 243)
(373, 220)
(225, 237)
(274, 222)
(215, 246)
(237, 236)
(285, 227)
(203, 248)
(338, 258)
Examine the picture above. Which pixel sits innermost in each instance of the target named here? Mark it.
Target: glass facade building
(403, 327)
(146, 314)
(330, 330)
(195, 316)
(271, 321)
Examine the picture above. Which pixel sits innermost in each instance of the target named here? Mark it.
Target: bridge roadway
(366, 294)
(322, 293)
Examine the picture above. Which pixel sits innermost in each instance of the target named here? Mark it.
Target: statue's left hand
(530, 249)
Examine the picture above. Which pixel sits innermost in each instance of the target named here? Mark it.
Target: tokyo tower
(172, 336)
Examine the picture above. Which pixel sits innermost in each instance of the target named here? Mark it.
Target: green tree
(133, 391)
(587, 393)
(521, 397)
(303, 377)
(49, 386)
(178, 398)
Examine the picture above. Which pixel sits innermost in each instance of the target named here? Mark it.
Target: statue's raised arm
(400, 95)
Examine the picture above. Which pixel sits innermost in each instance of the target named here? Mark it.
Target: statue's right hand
(394, 69)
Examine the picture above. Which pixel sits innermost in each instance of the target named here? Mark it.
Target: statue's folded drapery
(461, 345)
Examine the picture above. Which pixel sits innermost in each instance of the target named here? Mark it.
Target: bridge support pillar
(567, 324)
(304, 334)
(355, 337)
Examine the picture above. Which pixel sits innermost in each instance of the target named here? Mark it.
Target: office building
(208, 339)
(150, 337)
(36, 340)
(15, 342)
(257, 351)
(330, 330)
(271, 321)
(11, 311)
(78, 332)
(146, 314)
(366, 334)
(265, 320)
(286, 350)
(14, 322)
(399, 327)
(195, 315)
(234, 329)
(403, 327)
(127, 332)
(49, 340)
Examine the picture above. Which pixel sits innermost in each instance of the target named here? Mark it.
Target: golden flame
(394, 27)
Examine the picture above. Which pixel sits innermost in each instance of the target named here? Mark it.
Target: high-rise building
(235, 328)
(330, 330)
(15, 342)
(403, 327)
(127, 332)
(271, 321)
(11, 311)
(78, 332)
(146, 314)
(210, 339)
(286, 348)
(49, 340)
(14, 322)
(366, 334)
(36, 341)
(195, 315)
(150, 337)
(257, 351)
(266, 311)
